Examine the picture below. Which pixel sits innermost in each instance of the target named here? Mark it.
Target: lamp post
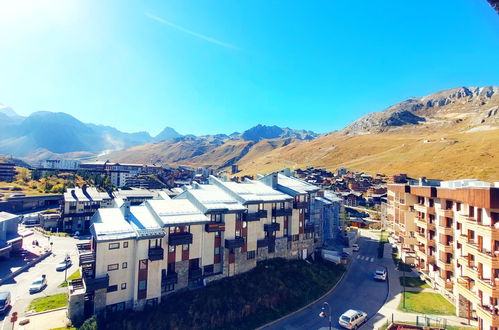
(323, 313)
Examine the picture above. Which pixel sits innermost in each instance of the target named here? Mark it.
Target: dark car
(4, 301)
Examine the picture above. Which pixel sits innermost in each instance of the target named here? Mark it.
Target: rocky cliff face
(473, 105)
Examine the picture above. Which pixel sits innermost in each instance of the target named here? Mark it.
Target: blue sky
(207, 67)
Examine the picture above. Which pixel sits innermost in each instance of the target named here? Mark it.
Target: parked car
(66, 263)
(4, 301)
(352, 319)
(355, 247)
(380, 275)
(38, 285)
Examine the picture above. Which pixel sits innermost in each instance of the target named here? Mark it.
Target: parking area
(19, 286)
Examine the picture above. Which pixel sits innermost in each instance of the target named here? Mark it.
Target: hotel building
(450, 230)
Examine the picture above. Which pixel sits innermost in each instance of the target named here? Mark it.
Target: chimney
(125, 210)
(274, 180)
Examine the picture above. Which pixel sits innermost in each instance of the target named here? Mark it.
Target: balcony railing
(281, 212)
(179, 238)
(93, 284)
(214, 227)
(274, 226)
(255, 216)
(309, 228)
(171, 278)
(300, 205)
(156, 253)
(195, 273)
(234, 243)
(262, 242)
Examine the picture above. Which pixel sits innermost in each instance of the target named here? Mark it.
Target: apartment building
(79, 205)
(451, 231)
(139, 254)
(7, 172)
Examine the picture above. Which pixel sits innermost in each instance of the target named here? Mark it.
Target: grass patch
(64, 328)
(47, 303)
(448, 327)
(46, 232)
(413, 282)
(426, 303)
(273, 289)
(73, 276)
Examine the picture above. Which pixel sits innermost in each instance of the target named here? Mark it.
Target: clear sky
(221, 66)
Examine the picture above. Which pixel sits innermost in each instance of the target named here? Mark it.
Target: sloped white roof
(250, 190)
(300, 186)
(176, 211)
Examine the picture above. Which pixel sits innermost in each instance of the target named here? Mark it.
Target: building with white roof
(138, 254)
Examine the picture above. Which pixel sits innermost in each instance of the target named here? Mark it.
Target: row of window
(113, 288)
(111, 267)
(114, 246)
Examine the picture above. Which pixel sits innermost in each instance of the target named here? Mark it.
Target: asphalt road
(19, 286)
(357, 290)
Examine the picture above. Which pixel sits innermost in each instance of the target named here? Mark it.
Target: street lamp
(323, 313)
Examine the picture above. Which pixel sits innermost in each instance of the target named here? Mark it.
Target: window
(142, 285)
(171, 248)
(217, 250)
(285, 231)
(113, 246)
(238, 233)
(112, 288)
(217, 234)
(123, 286)
(217, 217)
(143, 264)
(301, 224)
(124, 265)
(185, 247)
(245, 224)
(125, 244)
(170, 287)
(112, 267)
(250, 255)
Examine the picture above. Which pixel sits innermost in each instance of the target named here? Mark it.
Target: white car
(355, 247)
(64, 264)
(380, 275)
(38, 285)
(352, 319)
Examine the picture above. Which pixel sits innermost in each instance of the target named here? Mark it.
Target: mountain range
(44, 135)
(449, 134)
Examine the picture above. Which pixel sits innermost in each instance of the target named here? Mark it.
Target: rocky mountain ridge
(475, 105)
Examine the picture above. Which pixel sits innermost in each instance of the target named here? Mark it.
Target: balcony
(281, 212)
(93, 284)
(465, 287)
(420, 222)
(180, 239)
(446, 213)
(309, 228)
(171, 278)
(262, 243)
(195, 273)
(274, 226)
(234, 243)
(445, 230)
(447, 248)
(488, 286)
(445, 264)
(156, 253)
(214, 227)
(486, 313)
(256, 216)
(300, 205)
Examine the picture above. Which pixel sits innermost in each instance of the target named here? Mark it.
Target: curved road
(357, 290)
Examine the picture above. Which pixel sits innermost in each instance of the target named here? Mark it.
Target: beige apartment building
(139, 254)
(450, 231)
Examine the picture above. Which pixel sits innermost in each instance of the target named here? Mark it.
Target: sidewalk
(390, 308)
